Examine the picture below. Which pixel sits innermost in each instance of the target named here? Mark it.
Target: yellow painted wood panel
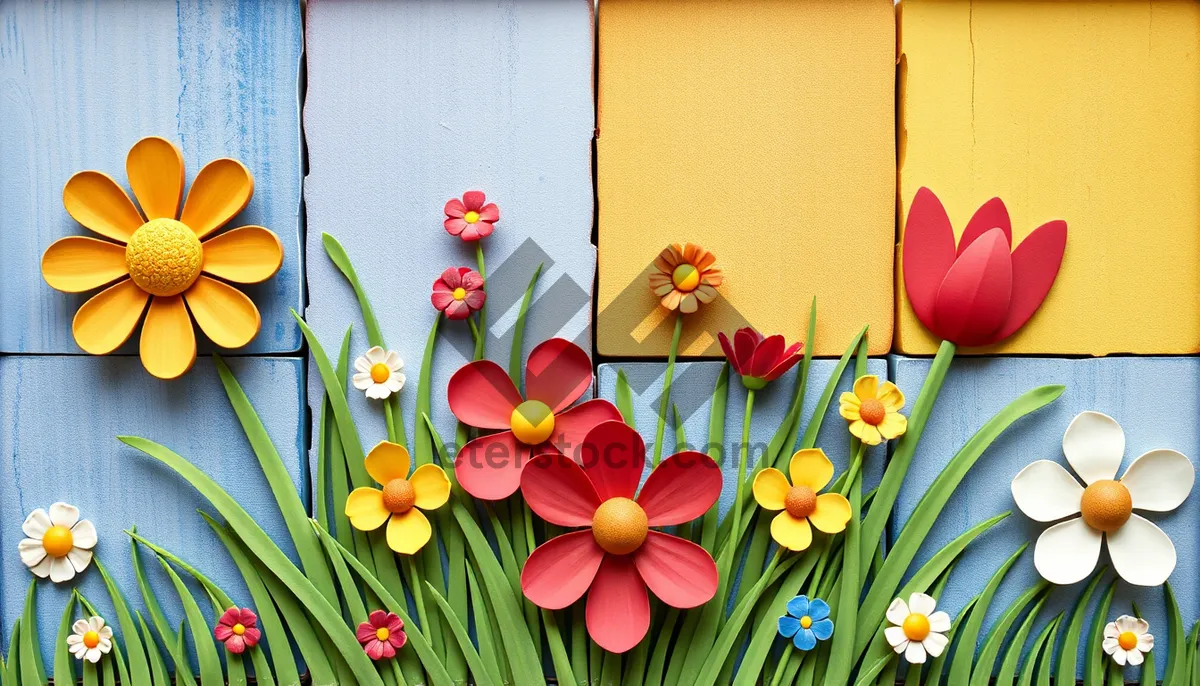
(765, 131)
(1084, 111)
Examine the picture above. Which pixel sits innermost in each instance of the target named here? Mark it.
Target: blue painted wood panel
(411, 104)
(1154, 399)
(81, 82)
(58, 442)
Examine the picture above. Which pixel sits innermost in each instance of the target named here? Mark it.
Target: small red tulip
(759, 360)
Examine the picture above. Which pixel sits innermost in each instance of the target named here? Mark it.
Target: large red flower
(759, 360)
(619, 556)
(482, 395)
(980, 291)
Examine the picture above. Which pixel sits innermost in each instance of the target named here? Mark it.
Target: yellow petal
(894, 425)
(408, 532)
(848, 406)
(96, 201)
(810, 467)
(248, 254)
(221, 190)
(225, 314)
(866, 386)
(891, 397)
(430, 486)
(155, 169)
(77, 263)
(108, 319)
(168, 342)
(832, 513)
(771, 488)
(388, 461)
(365, 509)
(865, 432)
(791, 533)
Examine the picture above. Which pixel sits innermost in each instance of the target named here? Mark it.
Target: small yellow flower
(802, 508)
(873, 410)
(401, 500)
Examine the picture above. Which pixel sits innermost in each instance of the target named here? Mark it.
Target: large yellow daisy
(156, 256)
(400, 501)
(873, 410)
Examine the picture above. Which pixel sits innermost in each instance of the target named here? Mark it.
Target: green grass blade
(482, 677)
(982, 673)
(518, 341)
(329, 480)
(139, 666)
(715, 450)
(488, 650)
(1008, 666)
(312, 649)
(339, 257)
(1094, 667)
(12, 670)
(867, 677)
(206, 651)
(625, 399)
(1042, 648)
(64, 662)
(938, 665)
(179, 655)
(1068, 655)
(841, 658)
(158, 668)
(157, 618)
(1149, 675)
(968, 634)
(33, 672)
(222, 600)
(1043, 673)
(1176, 659)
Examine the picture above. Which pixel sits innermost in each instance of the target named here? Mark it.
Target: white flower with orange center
(917, 630)
(163, 256)
(59, 543)
(378, 372)
(1102, 507)
(1127, 640)
(90, 639)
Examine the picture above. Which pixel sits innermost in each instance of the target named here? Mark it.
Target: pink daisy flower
(470, 219)
(238, 630)
(458, 292)
(382, 635)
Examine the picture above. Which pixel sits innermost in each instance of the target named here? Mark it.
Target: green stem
(777, 677)
(665, 402)
(480, 340)
(474, 333)
(745, 447)
(852, 472)
(390, 421)
(415, 584)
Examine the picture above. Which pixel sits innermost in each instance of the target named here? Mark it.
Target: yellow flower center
(872, 411)
(916, 627)
(532, 422)
(460, 293)
(686, 278)
(1127, 640)
(91, 639)
(239, 629)
(620, 526)
(806, 622)
(382, 633)
(471, 217)
(399, 496)
(1106, 505)
(800, 502)
(164, 257)
(380, 372)
(58, 541)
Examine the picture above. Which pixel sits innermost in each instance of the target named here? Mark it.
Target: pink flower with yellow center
(458, 292)
(472, 217)
(238, 630)
(382, 635)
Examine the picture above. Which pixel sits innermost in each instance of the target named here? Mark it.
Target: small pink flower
(238, 630)
(382, 635)
(458, 292)
(470, 219)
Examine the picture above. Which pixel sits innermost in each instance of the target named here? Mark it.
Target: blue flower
(806, 622)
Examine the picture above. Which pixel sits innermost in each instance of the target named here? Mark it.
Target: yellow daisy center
(800, 502)
(686, 277)
(58, 541)
(1127, 640)
(1106, 505)
(806, 622)
(872, 411)
(239, 629)
(532, 422)
(620, 526)
(460, 293)
(91, 639)
(380, 372)
(916, 627)
(164, 257)
(399, 496)
(471, 217)
(382, 633)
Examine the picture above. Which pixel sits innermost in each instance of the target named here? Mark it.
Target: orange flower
(685, 277)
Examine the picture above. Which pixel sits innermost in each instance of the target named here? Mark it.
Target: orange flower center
(460, 293)
(399, 496)
(239, 629)
(1127, 640)
(471, 217)
(382, 633)
(872, 411)
(380, 372)
(532, 422)
(58, 541)
(620, 526)
(91, 639)
(1106, 505)
(686, 278)
(164, 257)
(916, 627)
(800, 502)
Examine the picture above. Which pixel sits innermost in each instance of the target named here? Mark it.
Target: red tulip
(980, 291)
(759, 360)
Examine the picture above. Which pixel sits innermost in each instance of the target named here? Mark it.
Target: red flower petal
(397, 639)
(974, 297)
(618, 609)
(991, 215)
(683, 487)
(457, 310)
(251, 637)
(788, 360)
(455, 208)
(727, 347)
(489, 467)
(614, 456)
(451, 277)
(471, 280)
(222, 632)
(475, 299)
(236, 645)
(927, 252)
(560, 570)
(1035, 265)
(473, 200)
(229, 617)
(440, 299)
(365, 633)
(766, 355)
(455, 226)
(489, 213)
(558, 373)
(480, 229)
(378, 619)
(680, 573)
(571, 427)
(559, 491)
(745, 340)
(247, 618)
(481, 395)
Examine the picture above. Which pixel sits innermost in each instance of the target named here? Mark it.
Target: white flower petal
(1111, 631)
(1142, 554)
(106, 632)
(1110, 643)
(64, 515)
(1125, 623)
(897, 612)
(1046, 492)
(80, 558)
(935, 643)
(895, 638)
(362, 364)
(395, 382)
(93, 655)
(1159, 480)
(31, 551)
(1067, 552)
(1145, 643)
(81, 627)
(84, 534)
(1140, 626)
(921, 604)
(73, 639)
(95, 623)
(1118, 656)
(105, 643)
(375, 355)
(1094, 444)
(914, 654)
(36, 524)
(939, 621)
(61, 570)
(78, 650)
(378, 392)
(362, 381)
(393, 361)
(42, 569)
(1134, 657)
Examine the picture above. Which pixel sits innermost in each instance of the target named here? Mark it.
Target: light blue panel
(1156, 401)
(410, 104)
(61, 416)
(692, 391)
(81, 82)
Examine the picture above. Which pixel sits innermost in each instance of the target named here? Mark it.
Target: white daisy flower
(1102, 507)
(90, 639)
(1128, 639)
(59, 544)
(916, 629)
(378, 373)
